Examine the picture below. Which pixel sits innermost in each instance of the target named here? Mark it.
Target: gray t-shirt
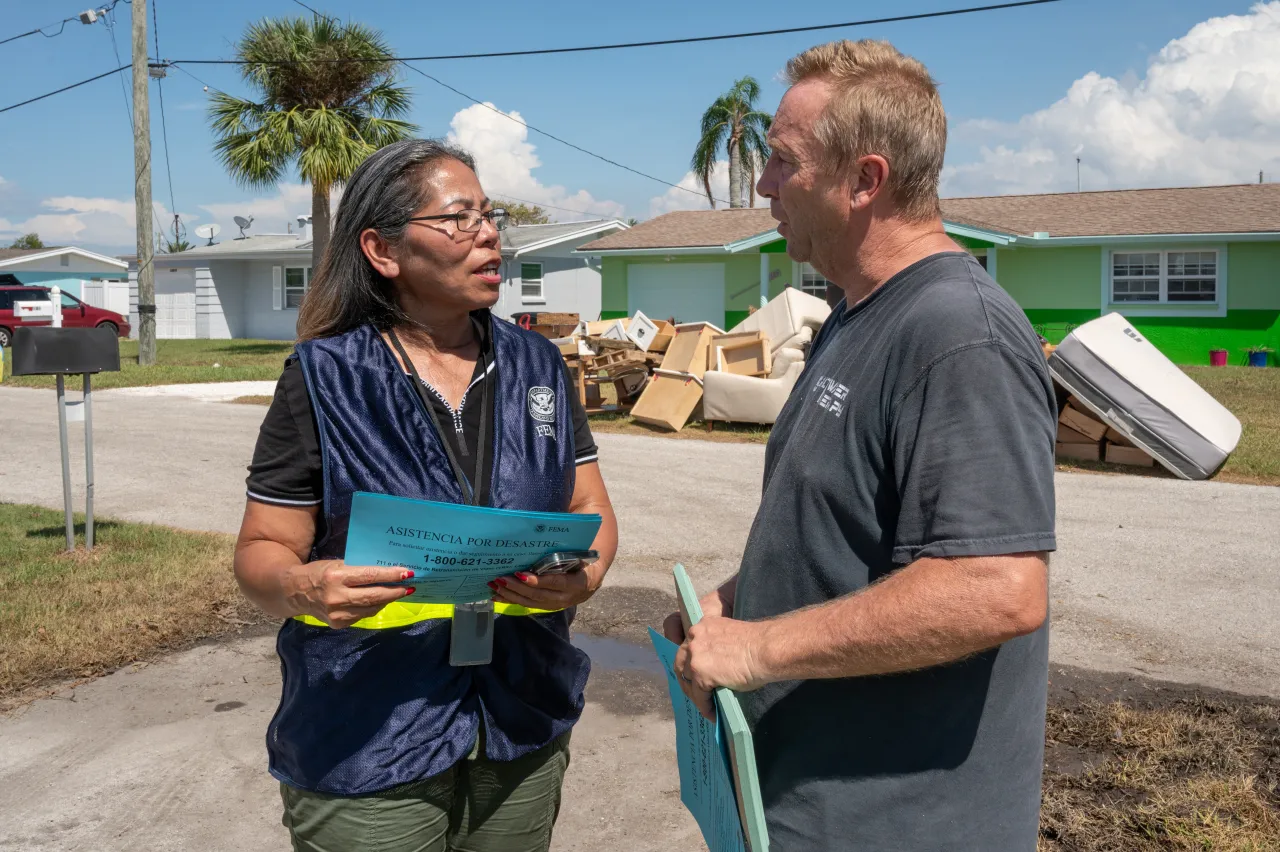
(923, 426)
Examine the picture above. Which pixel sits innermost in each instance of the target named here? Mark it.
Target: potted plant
(1217, 357)
(1258, 355)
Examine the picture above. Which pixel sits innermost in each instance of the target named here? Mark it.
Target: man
(887, 629)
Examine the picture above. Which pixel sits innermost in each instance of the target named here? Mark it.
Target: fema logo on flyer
(542, 407)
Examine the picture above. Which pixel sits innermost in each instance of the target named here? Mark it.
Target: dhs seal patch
(542, 404)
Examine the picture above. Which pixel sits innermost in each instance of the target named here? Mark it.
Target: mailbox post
(60, 352)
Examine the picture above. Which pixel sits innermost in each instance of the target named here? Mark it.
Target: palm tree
(734, 123)
(320, 116)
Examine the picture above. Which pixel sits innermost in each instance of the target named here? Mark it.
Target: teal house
(1194, 269)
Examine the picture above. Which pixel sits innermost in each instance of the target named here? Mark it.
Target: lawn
(143, 589)
(1253, 395)
(184, 362)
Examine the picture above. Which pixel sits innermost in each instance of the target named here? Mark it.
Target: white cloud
(106, 223)
(680, 199)
(506, 159)
(1207, 111)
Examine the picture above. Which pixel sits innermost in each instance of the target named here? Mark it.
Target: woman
(402, 383)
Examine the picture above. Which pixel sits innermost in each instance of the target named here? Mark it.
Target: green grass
(143, 589)
(180, 362)
(1252, 394)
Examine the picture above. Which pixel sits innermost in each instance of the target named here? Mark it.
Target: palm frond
(704, 163)
(718, 115)
(387, 100)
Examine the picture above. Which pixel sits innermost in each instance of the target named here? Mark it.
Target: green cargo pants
(478, 805)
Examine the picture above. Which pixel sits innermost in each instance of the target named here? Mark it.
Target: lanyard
(470, 494)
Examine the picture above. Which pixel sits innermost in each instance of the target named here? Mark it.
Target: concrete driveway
(1153, 576)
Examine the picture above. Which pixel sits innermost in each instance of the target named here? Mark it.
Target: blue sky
(66, 162)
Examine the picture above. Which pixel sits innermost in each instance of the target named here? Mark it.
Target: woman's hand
(340, 595)
(549, 591)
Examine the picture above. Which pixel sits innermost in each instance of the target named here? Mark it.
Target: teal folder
(718, 780)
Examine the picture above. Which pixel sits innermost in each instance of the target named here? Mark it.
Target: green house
(1194, 269)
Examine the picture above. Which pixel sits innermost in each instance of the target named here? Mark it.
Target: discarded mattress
(1126, 381)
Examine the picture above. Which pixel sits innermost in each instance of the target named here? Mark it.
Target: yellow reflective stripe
(400, 613)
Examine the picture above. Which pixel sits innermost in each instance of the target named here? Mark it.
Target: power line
(655, 43)
(61, 25)
(600, 157)
(197, 79)
(502, 196)
(317, 14)
(66, 88)
(164, 125)
(110, 23)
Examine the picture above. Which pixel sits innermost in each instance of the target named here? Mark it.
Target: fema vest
(377, 705)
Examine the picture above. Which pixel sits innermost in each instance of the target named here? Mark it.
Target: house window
(531, 282)
(812, 282)
(64, 260)
(1164, 277)
(296, 281)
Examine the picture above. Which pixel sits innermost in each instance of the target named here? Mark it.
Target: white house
(94, 278)
(251, 287)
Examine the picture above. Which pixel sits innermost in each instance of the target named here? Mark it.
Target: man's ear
(379, 254)
(871, 178)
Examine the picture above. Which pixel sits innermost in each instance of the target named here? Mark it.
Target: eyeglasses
(468, 221)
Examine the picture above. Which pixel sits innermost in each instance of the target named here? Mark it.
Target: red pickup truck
(75, 313)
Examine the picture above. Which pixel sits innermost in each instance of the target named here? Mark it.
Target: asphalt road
(1167, 579)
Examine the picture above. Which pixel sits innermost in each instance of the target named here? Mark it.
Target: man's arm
(931, 612)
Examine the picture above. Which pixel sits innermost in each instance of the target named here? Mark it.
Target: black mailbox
(45, 351)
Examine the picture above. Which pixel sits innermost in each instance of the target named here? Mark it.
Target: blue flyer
(706, 784)
(455, 551)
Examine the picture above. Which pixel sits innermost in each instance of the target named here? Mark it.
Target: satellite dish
(243, 224)
(208, 232)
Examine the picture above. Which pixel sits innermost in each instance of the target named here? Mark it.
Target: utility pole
(142, 189)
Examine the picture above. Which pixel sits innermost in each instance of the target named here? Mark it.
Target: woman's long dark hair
(386, 189)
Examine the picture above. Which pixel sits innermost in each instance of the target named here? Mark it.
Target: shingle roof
(689, 229)
(517, 237)
(1240, 209)
(11, 253)
(261, 242)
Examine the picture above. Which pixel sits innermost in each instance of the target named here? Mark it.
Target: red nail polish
(501, 582)
(406, 575)
(522, 576)
(409, 591)
(493, 584)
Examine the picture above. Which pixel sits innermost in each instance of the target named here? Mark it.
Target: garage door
(690, 292)
(175, 304)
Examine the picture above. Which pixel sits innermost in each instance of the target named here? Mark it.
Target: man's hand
(722, 652)
(549, 591)
(340, 595)
(718, 604)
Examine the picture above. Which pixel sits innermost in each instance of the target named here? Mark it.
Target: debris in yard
(1117, 454)
(547, 323)
(655, 369)
(1118, 380)
(676, 388)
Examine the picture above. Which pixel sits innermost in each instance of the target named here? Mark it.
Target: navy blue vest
(365, 710)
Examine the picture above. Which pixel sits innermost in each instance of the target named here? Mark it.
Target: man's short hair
(882, 103)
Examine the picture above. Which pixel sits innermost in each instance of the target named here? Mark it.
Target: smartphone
(564, 562)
